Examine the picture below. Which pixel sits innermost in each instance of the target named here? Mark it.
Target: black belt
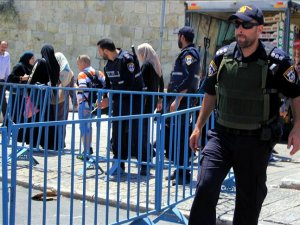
(256, 132)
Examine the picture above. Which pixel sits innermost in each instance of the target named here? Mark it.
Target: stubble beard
(179, 44)
(244, 41)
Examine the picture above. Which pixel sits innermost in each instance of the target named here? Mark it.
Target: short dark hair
(188, 33)
(107, 43)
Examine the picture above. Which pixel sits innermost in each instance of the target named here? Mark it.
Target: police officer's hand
(194, 139)
(104, 103)
(294, 140)
(174, 105)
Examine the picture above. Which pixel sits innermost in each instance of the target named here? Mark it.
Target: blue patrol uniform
(244, 147)
(185, 76)
(186, 72)
(124, 74)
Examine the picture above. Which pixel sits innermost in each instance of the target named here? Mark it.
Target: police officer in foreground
(185, 78)
(244, 81)
(122, 73)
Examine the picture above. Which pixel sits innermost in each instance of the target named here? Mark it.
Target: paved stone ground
(282, 205)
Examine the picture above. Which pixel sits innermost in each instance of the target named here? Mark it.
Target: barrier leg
(142, 221)
(23, 155)
(90, 165)
(228, 185)
(172, 215)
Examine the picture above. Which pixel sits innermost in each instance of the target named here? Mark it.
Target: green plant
(8, 12)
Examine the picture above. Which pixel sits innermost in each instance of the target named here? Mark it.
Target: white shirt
(4, 66)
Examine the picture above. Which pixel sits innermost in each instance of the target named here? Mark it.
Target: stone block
(108, 19)
(28, 35)
(126, 43)
(69, 39)
(40, 26)
(140, 7)
(154, 7)
(99, 30)
(52, 27)
(175, 8)
(63, 28)
(153, 21)
(172, 21)
(93, 41)
(138, 33)
(167, 46)
(82, 29)
(139, 20)
(92, 29)
(150, 33)
(120, 19)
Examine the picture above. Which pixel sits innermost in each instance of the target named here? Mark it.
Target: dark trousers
(121, 134)
(248, 156)
(3, 102)
(175, 149)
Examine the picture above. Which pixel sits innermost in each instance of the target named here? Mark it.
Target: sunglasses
(245, 25)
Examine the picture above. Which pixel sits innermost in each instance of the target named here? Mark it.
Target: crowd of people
(241, 87)
(123, 71)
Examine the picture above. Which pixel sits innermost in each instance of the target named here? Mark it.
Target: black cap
(248, 13)
(187, 32)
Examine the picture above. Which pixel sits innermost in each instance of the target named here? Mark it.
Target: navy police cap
(248, 13)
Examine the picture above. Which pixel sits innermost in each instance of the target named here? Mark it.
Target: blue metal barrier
(127, 195)
(5, 192)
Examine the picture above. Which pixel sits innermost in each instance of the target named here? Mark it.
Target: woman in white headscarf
(153, 79)
(66, 79)
(152, 75)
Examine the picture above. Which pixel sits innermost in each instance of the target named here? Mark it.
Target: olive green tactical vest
(242, 100)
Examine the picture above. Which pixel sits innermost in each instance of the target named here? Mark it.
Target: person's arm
(16, 74)
(7, 72)
(72, 93)
(294, 136)
(175, 104)
(208, 105)
(160, 97)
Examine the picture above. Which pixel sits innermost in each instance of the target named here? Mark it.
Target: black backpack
(95, 83)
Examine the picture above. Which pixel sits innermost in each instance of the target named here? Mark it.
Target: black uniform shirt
(284, 79)
(119, 74)
(186, 72)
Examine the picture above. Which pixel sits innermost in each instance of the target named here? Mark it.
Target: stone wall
(74, 27)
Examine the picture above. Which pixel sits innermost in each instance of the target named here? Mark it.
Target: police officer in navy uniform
(243, 83)
(122, 73)
(185, 78)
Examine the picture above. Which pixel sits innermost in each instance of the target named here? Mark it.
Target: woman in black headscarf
(20, 74)
(47, 73)
(47, 70)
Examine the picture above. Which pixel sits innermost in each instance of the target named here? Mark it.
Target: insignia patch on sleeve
(212, 70)
(130, 67)
(290, 75)
(188, 60)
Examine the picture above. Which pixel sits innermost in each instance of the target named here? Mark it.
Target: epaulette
(126, 55)
(278, 55)
(222, 50)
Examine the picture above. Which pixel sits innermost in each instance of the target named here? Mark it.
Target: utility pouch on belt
(277, 131)
(271, 132)
(266, 134)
